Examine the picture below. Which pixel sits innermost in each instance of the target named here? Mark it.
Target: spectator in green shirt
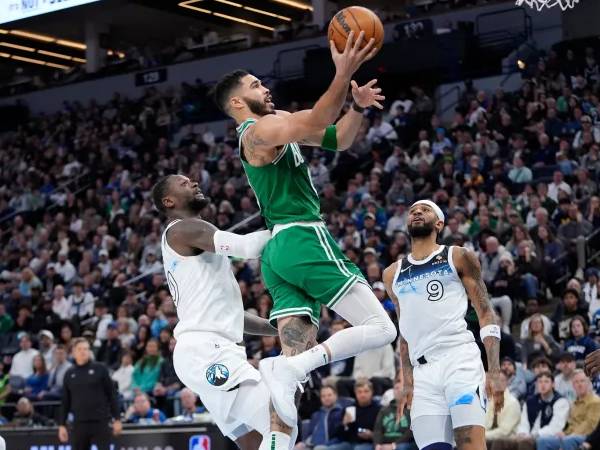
(392, 426)
(6, 321)
(147, 369)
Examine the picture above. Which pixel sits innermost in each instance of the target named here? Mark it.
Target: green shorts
(303, 268)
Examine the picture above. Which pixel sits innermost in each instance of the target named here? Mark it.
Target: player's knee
(386, 331)
(438, 446)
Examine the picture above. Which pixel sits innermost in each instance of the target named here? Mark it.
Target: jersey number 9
(435, 289)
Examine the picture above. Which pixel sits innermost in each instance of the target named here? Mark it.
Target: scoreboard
(11, 10)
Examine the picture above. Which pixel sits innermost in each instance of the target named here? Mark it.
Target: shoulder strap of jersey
(164, 235)
(241, 129)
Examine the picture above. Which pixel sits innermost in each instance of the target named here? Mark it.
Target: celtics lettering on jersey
(283, 188)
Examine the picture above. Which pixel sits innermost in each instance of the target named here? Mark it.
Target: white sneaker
(282, 380)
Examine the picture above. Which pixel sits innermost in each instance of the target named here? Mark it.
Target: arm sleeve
(66, 400)
(559, 419)
(111, 394)
(247, 246)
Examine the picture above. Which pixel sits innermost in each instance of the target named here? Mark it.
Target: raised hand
(348, 62)
(367, 95)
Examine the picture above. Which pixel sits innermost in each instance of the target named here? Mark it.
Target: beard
(258, 108)
(196, 205)
(420, 231)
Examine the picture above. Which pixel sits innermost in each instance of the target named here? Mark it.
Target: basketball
(357, 19)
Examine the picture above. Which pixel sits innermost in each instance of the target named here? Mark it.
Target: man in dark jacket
(89, 393)
(392, 427)
(111, 348)
(570, 306)
(359, 420)
(325, 427)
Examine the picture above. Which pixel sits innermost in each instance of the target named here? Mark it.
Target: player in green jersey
(302, 266)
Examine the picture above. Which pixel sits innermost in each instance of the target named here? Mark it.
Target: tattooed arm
(468, 267)
(406, 368)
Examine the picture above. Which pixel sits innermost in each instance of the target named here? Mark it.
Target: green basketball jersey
(283, 188)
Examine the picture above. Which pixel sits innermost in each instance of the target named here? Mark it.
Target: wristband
(247, 246)
(490, 330)
(357, 108)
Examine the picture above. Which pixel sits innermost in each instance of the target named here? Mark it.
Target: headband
(436, 208)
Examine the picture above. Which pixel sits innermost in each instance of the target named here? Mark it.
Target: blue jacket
(581, 347)
(326, 425)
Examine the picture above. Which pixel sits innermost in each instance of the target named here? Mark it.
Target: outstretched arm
(348, 126)
(274, 130)
(468, 266)
(258, 326)
(402, 346)
(189, 235)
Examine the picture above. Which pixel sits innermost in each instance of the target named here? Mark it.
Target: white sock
(275, 440)
(310, 359)
(372, 328)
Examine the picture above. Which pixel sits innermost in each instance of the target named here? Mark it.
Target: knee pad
(386, 327)
(438, 446)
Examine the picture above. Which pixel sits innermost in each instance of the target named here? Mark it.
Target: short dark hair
(546, 374)
(222, 90)
(329, 386)
(159, 190)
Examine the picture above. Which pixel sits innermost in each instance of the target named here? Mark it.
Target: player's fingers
(364, 52)
(372, 83)
(376, 90)
(371, 54)
(334, 50)
(359, 41)
(377, 105)
(354, 84)
(349, 42)
(380, 97)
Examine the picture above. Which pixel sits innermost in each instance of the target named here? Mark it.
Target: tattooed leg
(470, 437)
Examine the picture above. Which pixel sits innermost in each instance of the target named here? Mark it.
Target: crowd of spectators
(516, 174)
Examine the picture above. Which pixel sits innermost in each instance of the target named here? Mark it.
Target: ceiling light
(31, 60)
(5, 55)
(295, 4)
(188, 4)
(2, 31)
(79, 60)
(27, 34)
(56, 55)
(18, 47)
(267, 13)
(244, 21)
(57, 66)
(227, 2)
(73, 44)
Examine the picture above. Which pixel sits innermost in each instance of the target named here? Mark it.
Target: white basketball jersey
(433, 304)
(206, 294)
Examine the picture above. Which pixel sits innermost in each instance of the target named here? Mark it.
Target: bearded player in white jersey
(441, 362)
(207, 356)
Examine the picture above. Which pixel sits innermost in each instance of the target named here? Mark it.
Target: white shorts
(455, 377)
(229, 387)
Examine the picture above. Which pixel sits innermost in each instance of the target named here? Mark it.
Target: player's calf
(470, 437)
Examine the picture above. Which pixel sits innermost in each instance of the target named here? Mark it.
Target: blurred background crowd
(515, 172)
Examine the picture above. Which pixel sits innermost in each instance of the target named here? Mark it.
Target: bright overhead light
(79, 60)
(73, 44)
(244, 21)
(267, 13)
(295, 4)
(18, 47)
(57, 66)
(56, 55)
(30, 60)
(5, 55)
(27, 34)
(2, 31)
(188, 4)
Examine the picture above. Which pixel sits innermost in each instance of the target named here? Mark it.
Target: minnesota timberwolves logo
(217, 374)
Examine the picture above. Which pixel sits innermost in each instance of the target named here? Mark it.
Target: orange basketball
(357, 19)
